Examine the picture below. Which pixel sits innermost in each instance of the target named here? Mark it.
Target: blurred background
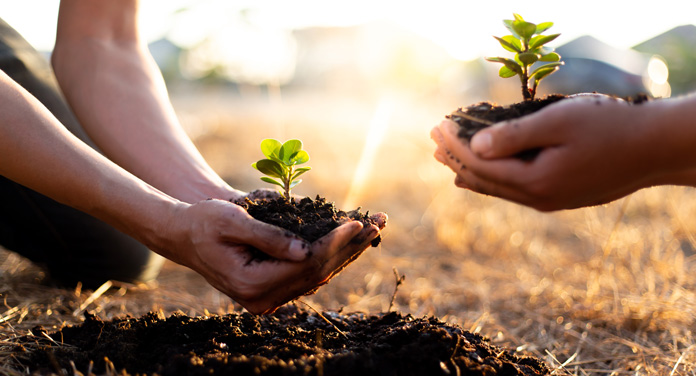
(363, 82)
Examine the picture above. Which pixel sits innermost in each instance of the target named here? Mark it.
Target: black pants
(73, 246)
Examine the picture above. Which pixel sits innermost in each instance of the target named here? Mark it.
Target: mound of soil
(481, 115)
(309, 218)
(289, 342)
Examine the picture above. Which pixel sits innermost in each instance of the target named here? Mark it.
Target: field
(604, 290)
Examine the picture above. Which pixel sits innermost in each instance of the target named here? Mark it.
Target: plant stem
(527, 94)
(287, 179)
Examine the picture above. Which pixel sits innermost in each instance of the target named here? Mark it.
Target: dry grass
(606, 290)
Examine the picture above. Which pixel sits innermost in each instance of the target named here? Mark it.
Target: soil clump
(309, 218)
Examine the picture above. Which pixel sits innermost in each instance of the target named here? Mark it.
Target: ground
(289, 342)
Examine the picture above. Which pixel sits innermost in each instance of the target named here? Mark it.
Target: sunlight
(244, 53)
(373, 139)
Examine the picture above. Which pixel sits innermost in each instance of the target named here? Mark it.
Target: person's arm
(117, 92)
(211, 237)
(595, 149)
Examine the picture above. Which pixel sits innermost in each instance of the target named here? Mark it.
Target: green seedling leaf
(541, 40)
(269, 167)
(270, 147)
(505, 72)
(510, 43)
(524, 29)
(550, 57)
(552, 66)
(508, 25)
(289, 148)
(528, 58)
(279, 167)
(540, 74)
(509, 63)
(300, 171)
(299, 157)
(272, 181)
(529, 46)
(543, 27)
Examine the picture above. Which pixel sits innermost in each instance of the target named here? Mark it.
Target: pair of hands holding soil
(215, 238)
(593, 149)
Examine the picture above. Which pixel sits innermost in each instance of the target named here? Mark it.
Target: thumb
(509, 138)
(234, 224)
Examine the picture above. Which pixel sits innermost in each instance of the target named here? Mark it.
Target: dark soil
(309, 218)
(289, 342)
(489, 113)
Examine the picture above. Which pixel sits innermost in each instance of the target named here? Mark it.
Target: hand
(594, 149)
(213, 238)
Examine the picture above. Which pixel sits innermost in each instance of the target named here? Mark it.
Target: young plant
(280, 163)
(529, 47)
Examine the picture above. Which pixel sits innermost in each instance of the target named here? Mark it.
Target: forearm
(117, 92)
(671, 142)
(37, 151)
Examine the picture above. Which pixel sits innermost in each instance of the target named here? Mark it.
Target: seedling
(529, 47)
(280, 163)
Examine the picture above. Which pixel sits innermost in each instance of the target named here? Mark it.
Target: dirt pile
(289, 342)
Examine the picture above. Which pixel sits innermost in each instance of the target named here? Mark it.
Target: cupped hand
(214, 237)
(594, 149)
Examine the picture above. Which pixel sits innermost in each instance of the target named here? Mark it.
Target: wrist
(671, 138)
(167, 235)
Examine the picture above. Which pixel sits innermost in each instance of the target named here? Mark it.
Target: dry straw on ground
(600, 291)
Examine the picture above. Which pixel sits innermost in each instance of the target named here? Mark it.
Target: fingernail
(481, 143)
(298, 249)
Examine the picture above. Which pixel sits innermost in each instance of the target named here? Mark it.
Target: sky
(464, 28)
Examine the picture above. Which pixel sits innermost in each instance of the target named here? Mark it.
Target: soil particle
(288, 342)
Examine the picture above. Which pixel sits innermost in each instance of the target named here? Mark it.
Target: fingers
(461, 159)
(295, 268)
(339, 237)
(498, 177)
(443, 154)
(237, 226)
(475, 183)
(381, 219)
(544, 128)
(330, 254)
(509, 138)
(284, 281)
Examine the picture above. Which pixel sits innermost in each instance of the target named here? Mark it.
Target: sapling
(280, 163)
(529, 47)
